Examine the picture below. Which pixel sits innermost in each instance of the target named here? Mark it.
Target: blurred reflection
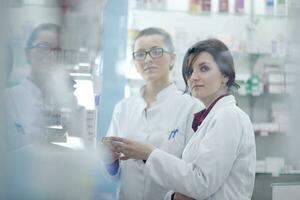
(42, 114)
(39, 111)
(34, 106)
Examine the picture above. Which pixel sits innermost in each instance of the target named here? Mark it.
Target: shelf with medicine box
(264, 129)
(87, 70)
(249, 40)
(276, 166)
(210, 14)
(271, 80)
(260, 8)
(244, 34)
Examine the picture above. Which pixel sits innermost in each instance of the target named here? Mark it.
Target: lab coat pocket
(174, 142)
(16, 137)
(156, 138)
(195, 140)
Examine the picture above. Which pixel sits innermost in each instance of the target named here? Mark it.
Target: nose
(194, 76)
(148, 57)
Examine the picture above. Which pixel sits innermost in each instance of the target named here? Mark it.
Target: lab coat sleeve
(26, 120)
(113, 167)
(15, 132)
(113, 129)
(211, 161)
(168, 196)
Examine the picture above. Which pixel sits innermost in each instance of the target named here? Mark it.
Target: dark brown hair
(221, 56)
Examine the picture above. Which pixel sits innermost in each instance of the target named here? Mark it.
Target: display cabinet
(257, 34)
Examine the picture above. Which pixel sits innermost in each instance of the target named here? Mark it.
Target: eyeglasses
(45, 47)
(155, 52)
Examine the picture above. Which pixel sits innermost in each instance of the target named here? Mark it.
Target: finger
(124, 158)
(120, 139)
(120, 147)
(113, 149)
(108, 145)
(116, 156)
(119, 144)
(105, 140)
(176, 196)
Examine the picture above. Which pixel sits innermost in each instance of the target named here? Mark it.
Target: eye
(156, 52)
(139, 54)
(204, 68)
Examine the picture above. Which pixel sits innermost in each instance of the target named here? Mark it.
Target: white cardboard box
(286, 191)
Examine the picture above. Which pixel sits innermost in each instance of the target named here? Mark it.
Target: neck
(153, 88)
(209, 100)
(34, 78)
(40, 81)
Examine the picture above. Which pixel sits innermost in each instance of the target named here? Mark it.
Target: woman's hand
(109, 152)
(179, 196)
(131, 148)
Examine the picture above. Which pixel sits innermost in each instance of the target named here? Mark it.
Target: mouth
(149, 68)
(197, 86)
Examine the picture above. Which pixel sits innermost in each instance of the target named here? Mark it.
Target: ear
(225, 79)
(172, 61)
(27, 54)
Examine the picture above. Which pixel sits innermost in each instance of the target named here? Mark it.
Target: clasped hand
(127, 148)
(179, 196)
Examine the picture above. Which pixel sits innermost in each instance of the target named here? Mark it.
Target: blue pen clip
(19, 128)
(173, 133)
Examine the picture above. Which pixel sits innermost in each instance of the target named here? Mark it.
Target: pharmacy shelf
(297, 172)
(266, 128)
(209, 14)
(246, 37)
(265, 94)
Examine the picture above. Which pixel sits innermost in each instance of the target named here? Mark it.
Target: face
(206, 82)
(153, 69)
(41, 55)
(44, 65)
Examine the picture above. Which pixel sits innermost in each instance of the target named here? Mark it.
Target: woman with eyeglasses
(49, 87)
(218, 163)
(160, 115)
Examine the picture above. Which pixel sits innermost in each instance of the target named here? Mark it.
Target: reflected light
(81, 74)
(74, 143)
(85, 94)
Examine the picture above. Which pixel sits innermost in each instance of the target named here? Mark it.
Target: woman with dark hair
(218, 163)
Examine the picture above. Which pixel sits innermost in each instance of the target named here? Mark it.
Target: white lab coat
(28, 114)
(218, 163)
(24, 116)
(166, 124)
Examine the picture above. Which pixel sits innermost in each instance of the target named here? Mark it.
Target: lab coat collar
(161, 96)
(225, 101)
(200, 116)
(33, 89)
(163, 93)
